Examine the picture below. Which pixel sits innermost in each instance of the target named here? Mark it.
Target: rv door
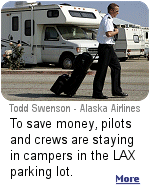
(51, 45)
(15, 35)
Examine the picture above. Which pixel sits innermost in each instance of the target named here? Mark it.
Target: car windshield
(72, 32)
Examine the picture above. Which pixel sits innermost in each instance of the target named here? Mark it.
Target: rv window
(75, 13)
(51, 34)
(88, 15)
(82, 14)
(146, 35)
(136, 38)
(15, 23)
(72, 33)
(52, 13)
(28, 27)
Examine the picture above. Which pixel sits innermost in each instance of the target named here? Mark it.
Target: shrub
(13, 58)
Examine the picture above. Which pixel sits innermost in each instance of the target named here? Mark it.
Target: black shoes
(123, 94)
(99, 96)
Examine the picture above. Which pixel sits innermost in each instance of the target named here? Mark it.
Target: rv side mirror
(93, 36)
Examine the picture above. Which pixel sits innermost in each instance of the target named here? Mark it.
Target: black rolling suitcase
(69, 85)
(59, 85)
(81, 65)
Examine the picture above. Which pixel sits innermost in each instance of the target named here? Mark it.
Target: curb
(40, 72)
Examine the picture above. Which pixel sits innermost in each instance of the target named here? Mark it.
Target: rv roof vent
(66, 4)
(20, 3)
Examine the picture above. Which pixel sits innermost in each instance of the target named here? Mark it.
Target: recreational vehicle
(130, 42)
(49, 33)
(146, 40)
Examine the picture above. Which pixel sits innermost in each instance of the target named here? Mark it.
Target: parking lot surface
(33, 84)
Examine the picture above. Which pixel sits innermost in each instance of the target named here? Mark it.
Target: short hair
(112, 6)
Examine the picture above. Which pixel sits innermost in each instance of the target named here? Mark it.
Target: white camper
(146, 40)
(130, 42)
(49, 33)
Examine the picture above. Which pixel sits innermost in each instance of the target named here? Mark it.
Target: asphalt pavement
(33, 84)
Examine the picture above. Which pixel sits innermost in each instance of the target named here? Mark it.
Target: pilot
(107, 56)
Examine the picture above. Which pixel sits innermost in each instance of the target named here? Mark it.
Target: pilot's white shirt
(105, 26)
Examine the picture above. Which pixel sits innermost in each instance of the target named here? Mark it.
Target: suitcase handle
(95, 56)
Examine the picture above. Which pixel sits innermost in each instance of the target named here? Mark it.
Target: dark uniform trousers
(107, 57)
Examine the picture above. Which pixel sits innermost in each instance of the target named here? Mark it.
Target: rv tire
(67, 61)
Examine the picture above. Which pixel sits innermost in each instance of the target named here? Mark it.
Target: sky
(136, 12)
